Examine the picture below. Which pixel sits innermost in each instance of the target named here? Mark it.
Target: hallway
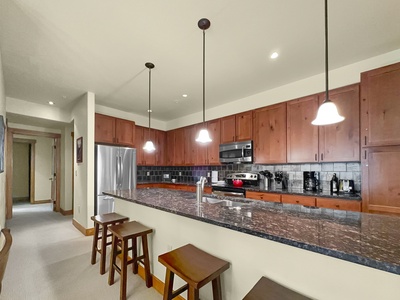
(50, 259)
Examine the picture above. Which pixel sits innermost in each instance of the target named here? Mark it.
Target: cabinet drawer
(294, 199)
(352, 205)
(263, 196)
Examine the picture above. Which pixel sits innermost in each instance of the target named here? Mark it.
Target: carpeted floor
(50, 259)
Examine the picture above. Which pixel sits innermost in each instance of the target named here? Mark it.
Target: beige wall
(20, 188)
(67, 193)
(2, 175)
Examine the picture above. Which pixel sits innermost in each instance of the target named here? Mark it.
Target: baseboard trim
(66, 212)
(41, 201)
(158, 285)
(83, 230)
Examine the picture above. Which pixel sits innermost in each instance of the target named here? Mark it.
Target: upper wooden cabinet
(269, 139)
(110, 130)
(189, 145)
(302, 136)
(155, 158)
(170, 146)
(341, 141)
(380, 106)
(179, 148)
(237, 127)
(214, 129)
(161, 146)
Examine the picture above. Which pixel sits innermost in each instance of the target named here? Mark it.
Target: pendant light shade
(327, 112)
(204, 136)
(149, 146)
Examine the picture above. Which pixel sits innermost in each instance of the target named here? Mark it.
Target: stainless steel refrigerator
(115, 169)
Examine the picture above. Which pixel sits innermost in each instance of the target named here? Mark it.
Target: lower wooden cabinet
(295, 199)
(342, 204)
(270, 197)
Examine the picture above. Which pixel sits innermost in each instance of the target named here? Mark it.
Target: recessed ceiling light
(274, 55)
(184, 95)
(51, 102)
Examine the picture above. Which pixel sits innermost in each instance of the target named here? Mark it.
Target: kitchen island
(322, 253)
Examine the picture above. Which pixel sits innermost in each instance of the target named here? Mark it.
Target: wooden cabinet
(302, 136)
(380, 179)
(214, 128)
(380, 106)
(155, 158)
(170, 143)
(269, 139)
(200, 149)
(110, 130)
(237, 127)
(341, 141)
(340, 204)
(179, 153)
(139, 143)
(189, 143)
(161, 147)
(270, 197)
(296, 199)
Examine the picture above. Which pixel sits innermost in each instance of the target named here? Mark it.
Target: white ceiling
(58, 50)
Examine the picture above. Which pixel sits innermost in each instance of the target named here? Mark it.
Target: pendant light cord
(204, 77)
(326, 54)
(149, 99)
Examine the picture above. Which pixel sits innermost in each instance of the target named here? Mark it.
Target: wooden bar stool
(194, 266)
(266, 289)
(121, 234)
(104, 220)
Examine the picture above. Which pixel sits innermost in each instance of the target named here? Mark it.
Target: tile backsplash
(350, 170)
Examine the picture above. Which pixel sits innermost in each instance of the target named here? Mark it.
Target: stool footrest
(179, 291)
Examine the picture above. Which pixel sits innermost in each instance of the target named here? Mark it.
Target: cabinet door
(179, 155)
(380, 178)
(270, 134)
(244, 126)
(295, 199)
(149, 158)
(302, 136)
(125, 132)
(380, 106)
(270, 197)
(160, 147)
(341, 204)
(200, 149)
(139, 143)
(214, 128)
(105, 129)
(341, 141)
(228, 129)
(170, 141)
(189, 145)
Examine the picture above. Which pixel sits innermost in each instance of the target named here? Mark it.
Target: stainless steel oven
(228, 191)
(239, 152)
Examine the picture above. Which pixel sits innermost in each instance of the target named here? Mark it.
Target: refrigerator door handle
(117, 174)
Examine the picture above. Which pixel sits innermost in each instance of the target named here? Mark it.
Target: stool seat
(103, 220)
(121, 234)
(267, 289)
(194, 266)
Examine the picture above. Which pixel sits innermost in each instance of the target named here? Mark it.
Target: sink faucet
(200, 188)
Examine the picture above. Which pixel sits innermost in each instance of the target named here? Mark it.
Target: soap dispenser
(334, 184)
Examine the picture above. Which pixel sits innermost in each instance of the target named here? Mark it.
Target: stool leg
(134, 254)
(169, 285)
(216, 286)
(123, 278)
(193, 293)
(113, 257)
(146, 262)
(103, 250)
(95, 240)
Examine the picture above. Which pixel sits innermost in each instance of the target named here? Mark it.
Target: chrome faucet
(200, 188)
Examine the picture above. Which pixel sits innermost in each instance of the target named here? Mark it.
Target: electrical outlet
(166, 176)
(148, 173)
(180, 173)
(208, 174)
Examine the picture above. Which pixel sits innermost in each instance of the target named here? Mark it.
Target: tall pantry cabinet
(380, 139)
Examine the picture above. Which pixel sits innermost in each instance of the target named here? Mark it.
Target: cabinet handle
(365, 154)
(322, 156)
(316, 156)
(365, 140)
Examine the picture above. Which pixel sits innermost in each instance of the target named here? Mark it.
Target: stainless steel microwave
(239, 152)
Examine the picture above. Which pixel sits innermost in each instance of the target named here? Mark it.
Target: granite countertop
(366, 239)
(289, 191)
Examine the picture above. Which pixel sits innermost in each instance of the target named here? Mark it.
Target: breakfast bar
(318, 252)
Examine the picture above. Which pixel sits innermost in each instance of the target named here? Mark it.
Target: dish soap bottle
(334, 184)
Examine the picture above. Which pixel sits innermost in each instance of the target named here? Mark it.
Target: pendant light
(327, 112)
(203, 136)
(149, 146)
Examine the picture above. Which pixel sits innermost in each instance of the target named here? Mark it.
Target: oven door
(227, 191)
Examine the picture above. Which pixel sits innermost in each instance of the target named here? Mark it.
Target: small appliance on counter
(346, 186)
(281, 180)
(311, 181)
(266, 179)
(214, 176)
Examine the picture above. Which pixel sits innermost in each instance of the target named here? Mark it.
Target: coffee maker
(310, 181)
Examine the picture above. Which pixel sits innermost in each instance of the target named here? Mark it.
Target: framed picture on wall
(79, 150)
(2, 144)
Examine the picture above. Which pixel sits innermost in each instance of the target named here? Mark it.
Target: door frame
(9, 164)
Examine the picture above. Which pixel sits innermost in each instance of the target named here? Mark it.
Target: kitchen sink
(226, 203)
